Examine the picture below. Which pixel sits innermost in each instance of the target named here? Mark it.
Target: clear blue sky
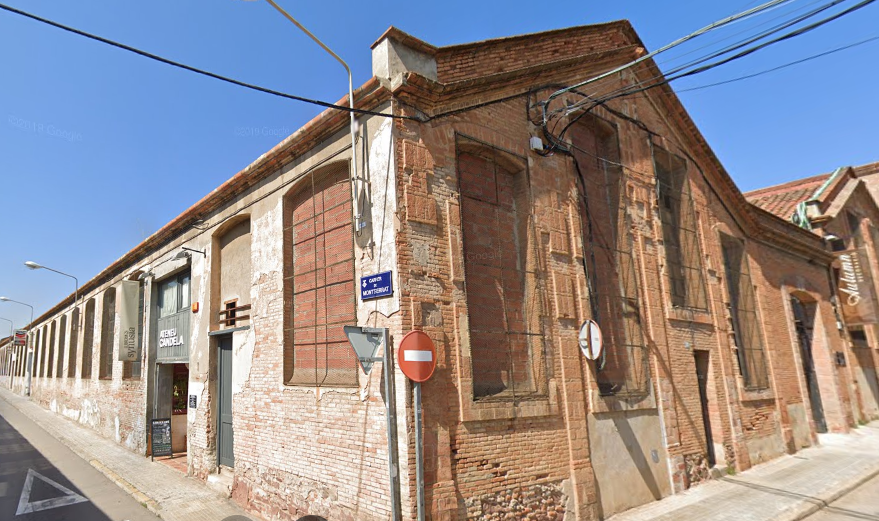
(99, 148)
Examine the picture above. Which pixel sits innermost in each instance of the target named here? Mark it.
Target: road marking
(26, 507)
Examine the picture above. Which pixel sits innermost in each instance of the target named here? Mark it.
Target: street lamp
(11, 326)
(34, 266)
(7, 299)
(358, 211)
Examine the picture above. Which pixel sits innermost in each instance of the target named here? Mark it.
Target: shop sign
(169, 338)
(855, 289)
(128, 310)
(160, 437)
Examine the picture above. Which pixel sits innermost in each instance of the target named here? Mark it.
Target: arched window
(108, 330)
(74, 342)
(615, 298)
(500, 271)
(62, 337)
(88, 339)
(319, 280)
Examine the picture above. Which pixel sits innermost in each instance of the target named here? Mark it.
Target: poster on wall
(854, 287)
(129, 350)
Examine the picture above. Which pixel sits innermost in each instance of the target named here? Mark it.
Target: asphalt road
(42, 480)
(861, 503)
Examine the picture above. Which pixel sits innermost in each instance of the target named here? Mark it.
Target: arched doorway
(804, 324)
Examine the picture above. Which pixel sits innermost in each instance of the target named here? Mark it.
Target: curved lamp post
(34, 266)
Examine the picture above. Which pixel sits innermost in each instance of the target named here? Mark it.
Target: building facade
(502, 237)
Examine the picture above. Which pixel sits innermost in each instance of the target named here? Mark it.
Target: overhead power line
(720, 23)
(196, 70)
(592, 101)
(786, 65)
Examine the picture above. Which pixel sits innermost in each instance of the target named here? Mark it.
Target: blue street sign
(375, 286)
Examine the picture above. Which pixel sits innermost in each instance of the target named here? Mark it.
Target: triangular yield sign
(26, 507)
(365, 344)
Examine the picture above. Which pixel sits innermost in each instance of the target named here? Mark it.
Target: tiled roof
(783, 199)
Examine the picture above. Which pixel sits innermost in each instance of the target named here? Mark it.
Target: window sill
(613, 403)
(488, 409)
(756, 395)
(690, 315)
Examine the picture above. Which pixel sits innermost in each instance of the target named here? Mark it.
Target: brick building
(229, 319)
(841, 207)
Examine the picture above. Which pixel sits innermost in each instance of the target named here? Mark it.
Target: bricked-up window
(62, 336)
(44, 334)
(743, 311)
(108, 330)
(51, 359)
(74, 343)
(88, 339)
(615, 301)
(500, 272)
(677, 212)
(319, 280)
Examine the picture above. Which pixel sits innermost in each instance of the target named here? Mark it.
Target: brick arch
(319, 293)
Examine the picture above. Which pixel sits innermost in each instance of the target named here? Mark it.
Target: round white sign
(590, 339)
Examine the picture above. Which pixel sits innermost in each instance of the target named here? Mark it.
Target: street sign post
(365, 341)
(417, 359)
(590, 340)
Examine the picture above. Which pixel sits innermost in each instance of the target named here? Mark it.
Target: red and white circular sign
(417, 356)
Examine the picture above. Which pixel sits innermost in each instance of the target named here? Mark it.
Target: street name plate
(376, 286)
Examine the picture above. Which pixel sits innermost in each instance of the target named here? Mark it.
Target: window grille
(74, 343)
(623, 368)
(743, 311)
(500, 272)
(88, 343)
(320, 280)
(677, 213)
(108, 329)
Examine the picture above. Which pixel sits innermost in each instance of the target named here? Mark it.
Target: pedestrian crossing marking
(26, 507)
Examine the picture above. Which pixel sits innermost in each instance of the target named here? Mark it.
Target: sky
(99, 148)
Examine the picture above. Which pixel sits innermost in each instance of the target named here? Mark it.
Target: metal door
(225, 452)
(803, 323)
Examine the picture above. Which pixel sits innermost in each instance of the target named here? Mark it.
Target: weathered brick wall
(115, 408)
(461, 62)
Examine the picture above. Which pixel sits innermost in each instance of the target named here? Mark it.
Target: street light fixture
(358, 210)
(34, 266)
(11, 326)
(7, 299)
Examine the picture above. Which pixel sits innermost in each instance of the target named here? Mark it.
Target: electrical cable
(737, 45)
(720, 23)
(789, 64)
(704, 68)
(200, 71)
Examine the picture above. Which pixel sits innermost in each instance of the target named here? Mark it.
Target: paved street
(861, 503)
(43, 480)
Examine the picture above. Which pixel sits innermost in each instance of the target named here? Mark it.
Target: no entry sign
(417, 356)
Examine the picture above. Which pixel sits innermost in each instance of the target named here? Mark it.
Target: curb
(139, 496)
(821, 503)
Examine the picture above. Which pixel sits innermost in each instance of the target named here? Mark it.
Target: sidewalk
(163, 490)
(786, 489)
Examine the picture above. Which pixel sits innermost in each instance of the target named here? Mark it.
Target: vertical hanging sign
(128, 349)
(855, 287)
